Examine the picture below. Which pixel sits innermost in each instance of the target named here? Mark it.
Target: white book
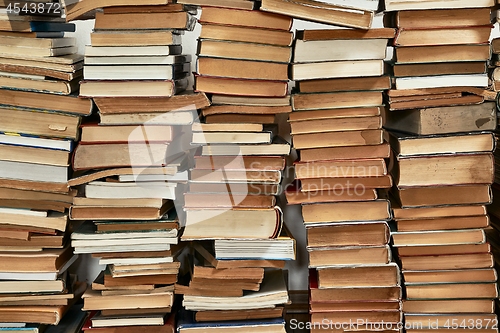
(108, 190)
(29, 141)
(33, 172)
(114, 51)
(440, 81)
(138, 60)
(122, 248)
(337, 69)
(124, 241)
(178, 177)
(135, 261)
(22, 211)
(339, 49)
(130, 72)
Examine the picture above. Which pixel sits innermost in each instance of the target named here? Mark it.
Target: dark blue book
(41, 26)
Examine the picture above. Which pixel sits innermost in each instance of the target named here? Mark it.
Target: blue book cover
(41, 26)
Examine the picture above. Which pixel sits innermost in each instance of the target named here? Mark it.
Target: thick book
(454, 169)
(409, 145)
(339, 50)
(446, 36)
(439, 18)
(241, 87)
(453, 119)
(212, 223)
(338, 100)
(442, 53)
(349, 255)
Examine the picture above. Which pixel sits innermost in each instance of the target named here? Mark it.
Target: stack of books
(39, 68)
(337, 130)
(231, 205)
(132, 164)
(243, 53)
(442, 184)
(443, 165)
(136, 51)
(440, 58)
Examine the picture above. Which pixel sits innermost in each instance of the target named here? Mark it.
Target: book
(442, 53)
(444, 223)
(138, 59)
(439, 18)
(449, 291)
(456, 261)
(349, 255)
(26, 154)
(447, 170)
(338, 139)
(455, 35)
(340, 169)
(339, 50)
(345, 211)
(336, 100)
(408, 145)
(242, 69)
(277, 147)
(395, 5)
(243, 34)
(77, 9)
(377, 83)
(153, 105)
(321, 12)
(243, 50)
(341, 234)
(449, 276)
(380, 276)
(453, 119)
(108, 190)
(93, 300)
(434, 69)
(442, 237)
(132, 51)
(209, 223)
(240, 4)
(241, 87)
(333, 125)
(99, 134)
(247, 18)
(134, 38)
(444, 195)
(142, 21)
(136, 72)
(354, 152)
(37, 51)
(438, 81)
(445, 306)
(39, 85)
(46, 102)
(337, 69)
(96, 156)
